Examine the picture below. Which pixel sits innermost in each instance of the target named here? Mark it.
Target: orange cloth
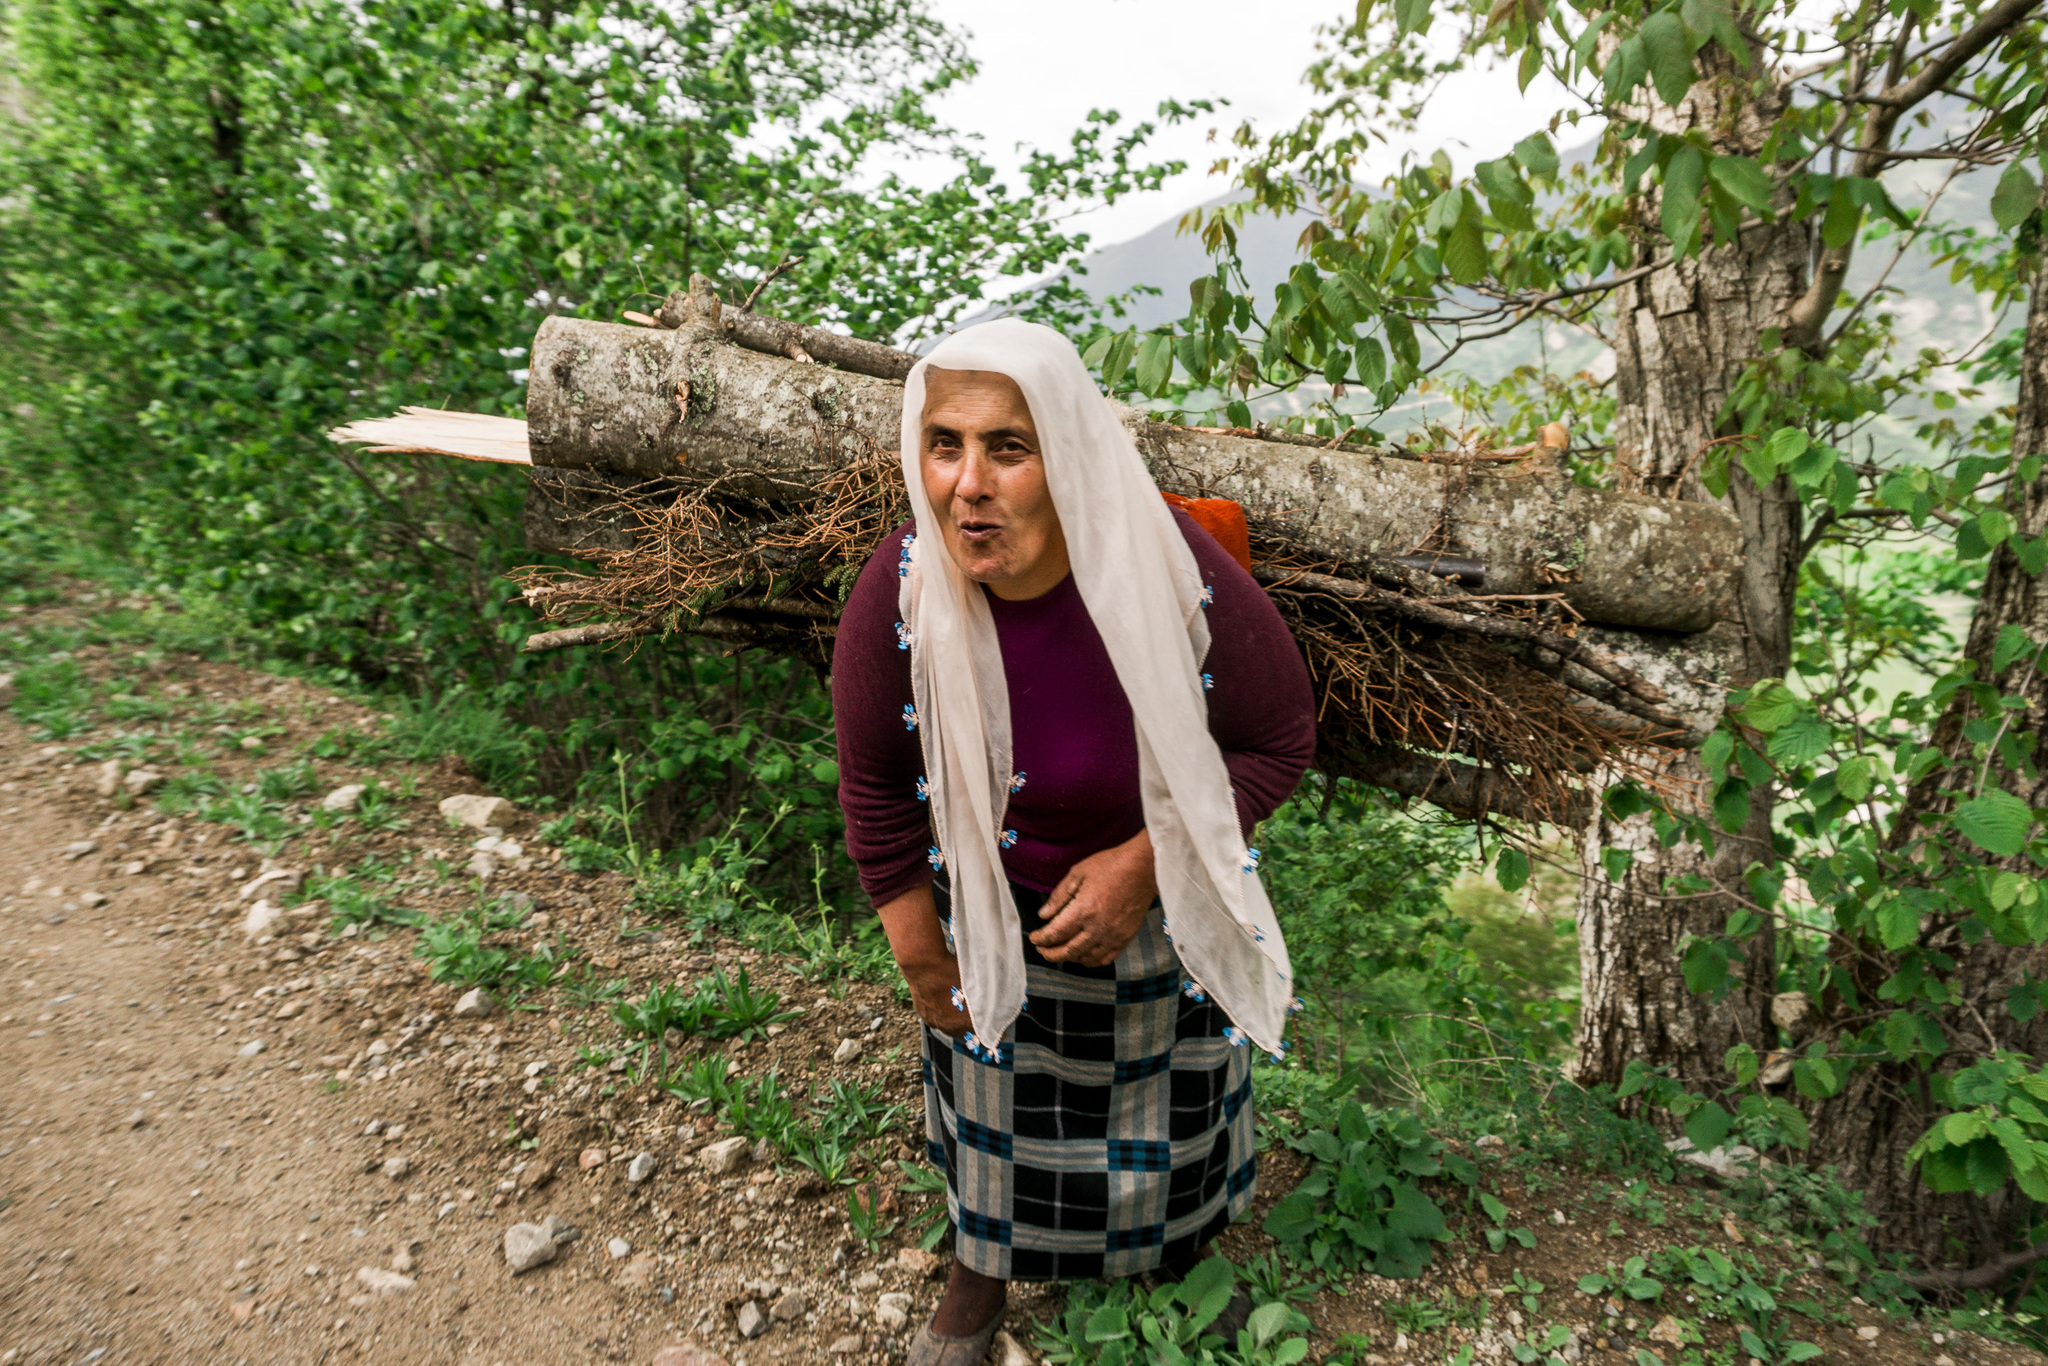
(1222, 519)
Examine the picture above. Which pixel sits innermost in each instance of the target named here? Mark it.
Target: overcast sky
(1046, 63)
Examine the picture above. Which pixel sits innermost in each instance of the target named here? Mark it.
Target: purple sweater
(1072, 734)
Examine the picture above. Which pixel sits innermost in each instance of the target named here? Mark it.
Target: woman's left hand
(1100, 905)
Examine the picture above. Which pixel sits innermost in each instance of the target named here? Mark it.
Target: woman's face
(985, 478)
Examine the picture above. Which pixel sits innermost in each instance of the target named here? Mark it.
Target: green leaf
(1155, 363)
(1414, 1214)
(1268, 1321)
(1997, 822)
(2013, 641)
(2017, 195)
(1715, 752)
(1683, 179)
(1495, 1209)
(1108, 1323)
(1855, 778)
(1594, 1284)
(1117, 359)
(1744, 179)
(1898, 922)
(1642, 1288)
(1669, 48)
(1771, 704)
(1292, 1218)
(1411, 16)
(1800, 1351)
(1616, 862)
(1731, 805)
(1707, 1126)
(1511, 869)
(1536, 154)
(1805, 738)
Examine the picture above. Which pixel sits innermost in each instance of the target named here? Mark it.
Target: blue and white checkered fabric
(1114, 1135)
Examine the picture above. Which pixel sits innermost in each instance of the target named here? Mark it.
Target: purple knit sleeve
(1262, 709)
(888, 829)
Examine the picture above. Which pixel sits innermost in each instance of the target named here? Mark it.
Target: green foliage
(1119, 1323)
(1360, 1205)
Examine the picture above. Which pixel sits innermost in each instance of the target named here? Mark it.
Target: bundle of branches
(727, 475)
(1406, 664)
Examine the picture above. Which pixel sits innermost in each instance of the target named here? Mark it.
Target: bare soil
(170, 1192)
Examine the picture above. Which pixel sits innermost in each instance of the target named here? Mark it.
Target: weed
(1117, 1323)
(285, 782)
(376, 810)
(741, 1012)
(585, 988)
(1359, 1206)
(455, 952)
(864, 1217)
(931, 1227)
(351, 901)
(1417, 1314)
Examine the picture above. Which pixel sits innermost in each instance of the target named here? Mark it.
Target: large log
(685, 404)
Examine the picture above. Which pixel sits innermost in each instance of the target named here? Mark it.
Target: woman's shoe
(935, 1349)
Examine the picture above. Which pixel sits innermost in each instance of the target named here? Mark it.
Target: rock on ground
(378, 1281)
(478, 812)
(263, 918)
(752, 1322)
(793, 1305)
(476, 1004)
(1007, 1351)
(892, 1311)
(723, 1157)
(641, 1167)
(343, 798)
(528, 1246)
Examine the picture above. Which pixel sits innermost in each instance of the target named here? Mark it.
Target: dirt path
(185, 1174)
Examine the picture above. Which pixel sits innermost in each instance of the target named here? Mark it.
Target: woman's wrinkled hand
(931, 994)
(1099, 906)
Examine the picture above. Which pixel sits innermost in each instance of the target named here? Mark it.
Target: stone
(142, 781)
(848, 1051)
(618, 1249)
(251, 1048)
(867, 1280)
(1867, 1332)
(107, 778)
(638, 1273)
(793, 1305)
(344, 798)
(138, 1119)
(6, 690)
(378, 1281)
(476, 1004)
(640, 1168)
(93, 900)
(591, 1159)
(481, 864)
(845, 1346)
(561, 1230)
(1793, 1012)
(398, 1168)
(918, 1262)
(1667, 1330)
(751, 1321)
(688, 1356)
(477, 812)
(402, 1261)
(263, 919)
(892, 1312)
(528, 1246)
(78, 849)
(252, 742)
(723, 1157)
(762, 1152)
(536, 1175)
(1007, 1351)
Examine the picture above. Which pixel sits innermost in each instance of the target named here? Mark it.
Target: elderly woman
(1062, 708)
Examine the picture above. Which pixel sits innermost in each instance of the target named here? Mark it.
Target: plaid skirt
(1112, 1137)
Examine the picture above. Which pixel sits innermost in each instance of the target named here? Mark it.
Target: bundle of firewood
(1483, 632)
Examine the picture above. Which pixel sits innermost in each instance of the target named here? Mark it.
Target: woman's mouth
(979, 532)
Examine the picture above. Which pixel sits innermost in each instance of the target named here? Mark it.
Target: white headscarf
(1143, 589)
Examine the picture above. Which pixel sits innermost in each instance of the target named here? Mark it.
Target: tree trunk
(1868, 1128)
(1682, 336)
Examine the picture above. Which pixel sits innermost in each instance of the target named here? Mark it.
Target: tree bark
(1868, 1128)
(1682, 336)
(644, 402)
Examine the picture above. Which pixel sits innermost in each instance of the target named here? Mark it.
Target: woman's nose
(974, 482)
